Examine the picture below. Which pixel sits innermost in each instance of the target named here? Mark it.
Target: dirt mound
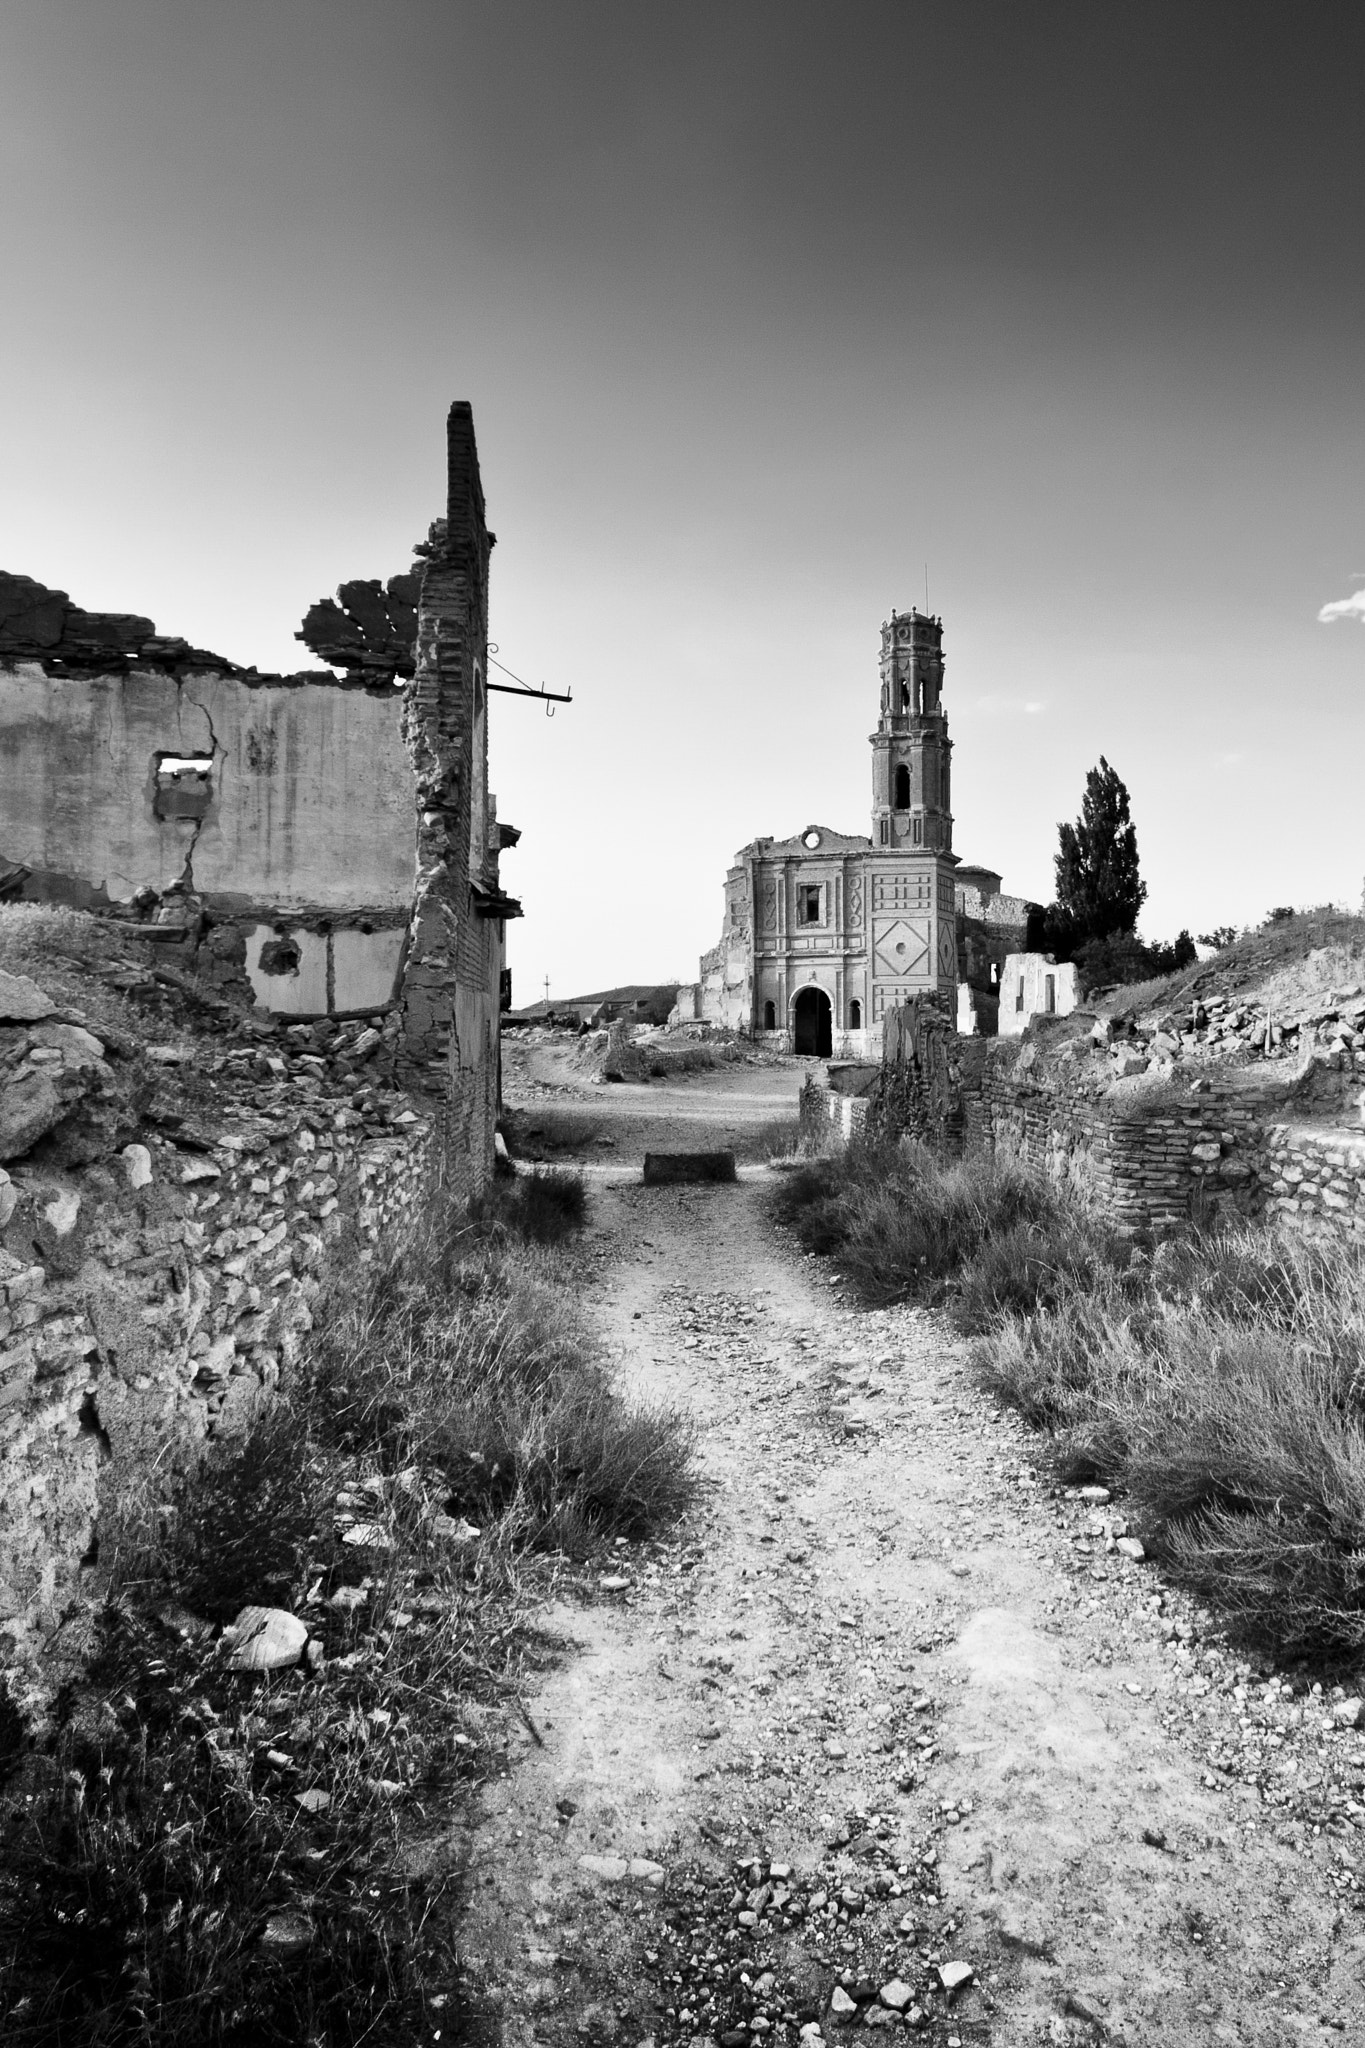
(1284, 966)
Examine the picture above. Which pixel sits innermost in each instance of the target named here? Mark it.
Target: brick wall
(1147, 1166)
(449, 998)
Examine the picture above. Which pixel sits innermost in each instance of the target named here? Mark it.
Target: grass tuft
(546, 1206)
(900, 1226)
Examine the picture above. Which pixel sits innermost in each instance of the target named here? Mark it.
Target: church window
(916, 832)
(886, 832)
(1019, 994)
(1050, 994)
(902, 788)
(905, 696)
(855, 1015)
(770, 1016)
(808, 909)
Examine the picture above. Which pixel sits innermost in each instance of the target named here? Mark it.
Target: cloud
(1343, 608)
(1012, 706)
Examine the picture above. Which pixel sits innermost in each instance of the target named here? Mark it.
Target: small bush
(545, 1206)
(1027, 1266)
(899, 1225)
(778, 1139)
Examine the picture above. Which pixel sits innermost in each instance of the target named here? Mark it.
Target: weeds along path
(867, 1720)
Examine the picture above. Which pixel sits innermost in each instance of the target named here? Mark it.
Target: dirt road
(892, 1711)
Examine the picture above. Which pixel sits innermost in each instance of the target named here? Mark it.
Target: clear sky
(761, 307)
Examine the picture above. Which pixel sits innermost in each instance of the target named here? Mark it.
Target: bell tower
(911, 788)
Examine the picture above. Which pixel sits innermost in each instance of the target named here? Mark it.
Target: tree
(1098, 884)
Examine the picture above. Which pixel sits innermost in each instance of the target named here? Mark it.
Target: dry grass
(778, 1140)
(1282, 965)
(898, 1225)
(161, 1880)
(1222, 1384)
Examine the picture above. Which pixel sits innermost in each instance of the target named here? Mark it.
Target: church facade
(825, 932)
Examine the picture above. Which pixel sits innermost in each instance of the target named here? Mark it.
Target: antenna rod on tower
(926, 590)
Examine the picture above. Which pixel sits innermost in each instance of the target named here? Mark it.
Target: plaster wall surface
(310, 806)
(1031, 986)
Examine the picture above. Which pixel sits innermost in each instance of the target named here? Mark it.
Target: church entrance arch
(812, 1023)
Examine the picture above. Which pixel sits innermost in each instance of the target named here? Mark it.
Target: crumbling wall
(1147, 1161)
(450, 993)
(274, 811)
(1314, 1180)
(321, 844)
(150, 1299)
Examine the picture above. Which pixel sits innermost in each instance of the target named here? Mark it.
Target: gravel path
(893, 1736)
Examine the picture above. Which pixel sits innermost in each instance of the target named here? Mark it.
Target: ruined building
(324, 842)
(826, 932)
(280, 1031)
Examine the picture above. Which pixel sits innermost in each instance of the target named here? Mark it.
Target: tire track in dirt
(870, 1657)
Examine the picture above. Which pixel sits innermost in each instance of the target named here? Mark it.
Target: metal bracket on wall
(548, 698)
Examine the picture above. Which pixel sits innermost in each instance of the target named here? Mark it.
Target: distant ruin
(826, 933)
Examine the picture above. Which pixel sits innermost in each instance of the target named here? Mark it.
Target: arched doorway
(812, 1024)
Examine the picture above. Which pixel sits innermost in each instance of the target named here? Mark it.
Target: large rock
(22, 1001)
(29, 1108)
(266, 1639)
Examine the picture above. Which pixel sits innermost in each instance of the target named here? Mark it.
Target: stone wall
(150, 1300)
(1314, 1180)
(1147, 1163)
(1153, 1159)
(1149, 1159)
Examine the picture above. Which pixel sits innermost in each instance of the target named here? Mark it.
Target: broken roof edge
(830, 842)
(41, 628)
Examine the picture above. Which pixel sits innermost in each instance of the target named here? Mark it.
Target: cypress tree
(1098, 885)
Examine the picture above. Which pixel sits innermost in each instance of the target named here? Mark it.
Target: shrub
(546, 1206)
(1027, 1266)
(778, 1139)
(899, 1225)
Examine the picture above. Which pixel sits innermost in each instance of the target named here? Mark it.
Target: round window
(810, 839)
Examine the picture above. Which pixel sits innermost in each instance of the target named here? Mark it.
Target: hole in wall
(183, 785)
(90, 1424)
(280, 956)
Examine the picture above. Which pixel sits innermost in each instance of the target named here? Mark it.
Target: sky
(766, 312)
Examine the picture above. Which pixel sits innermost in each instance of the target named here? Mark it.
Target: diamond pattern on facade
(901, 947)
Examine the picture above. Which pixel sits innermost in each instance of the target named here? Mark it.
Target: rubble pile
(1227, 1029)
(168, 1199)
